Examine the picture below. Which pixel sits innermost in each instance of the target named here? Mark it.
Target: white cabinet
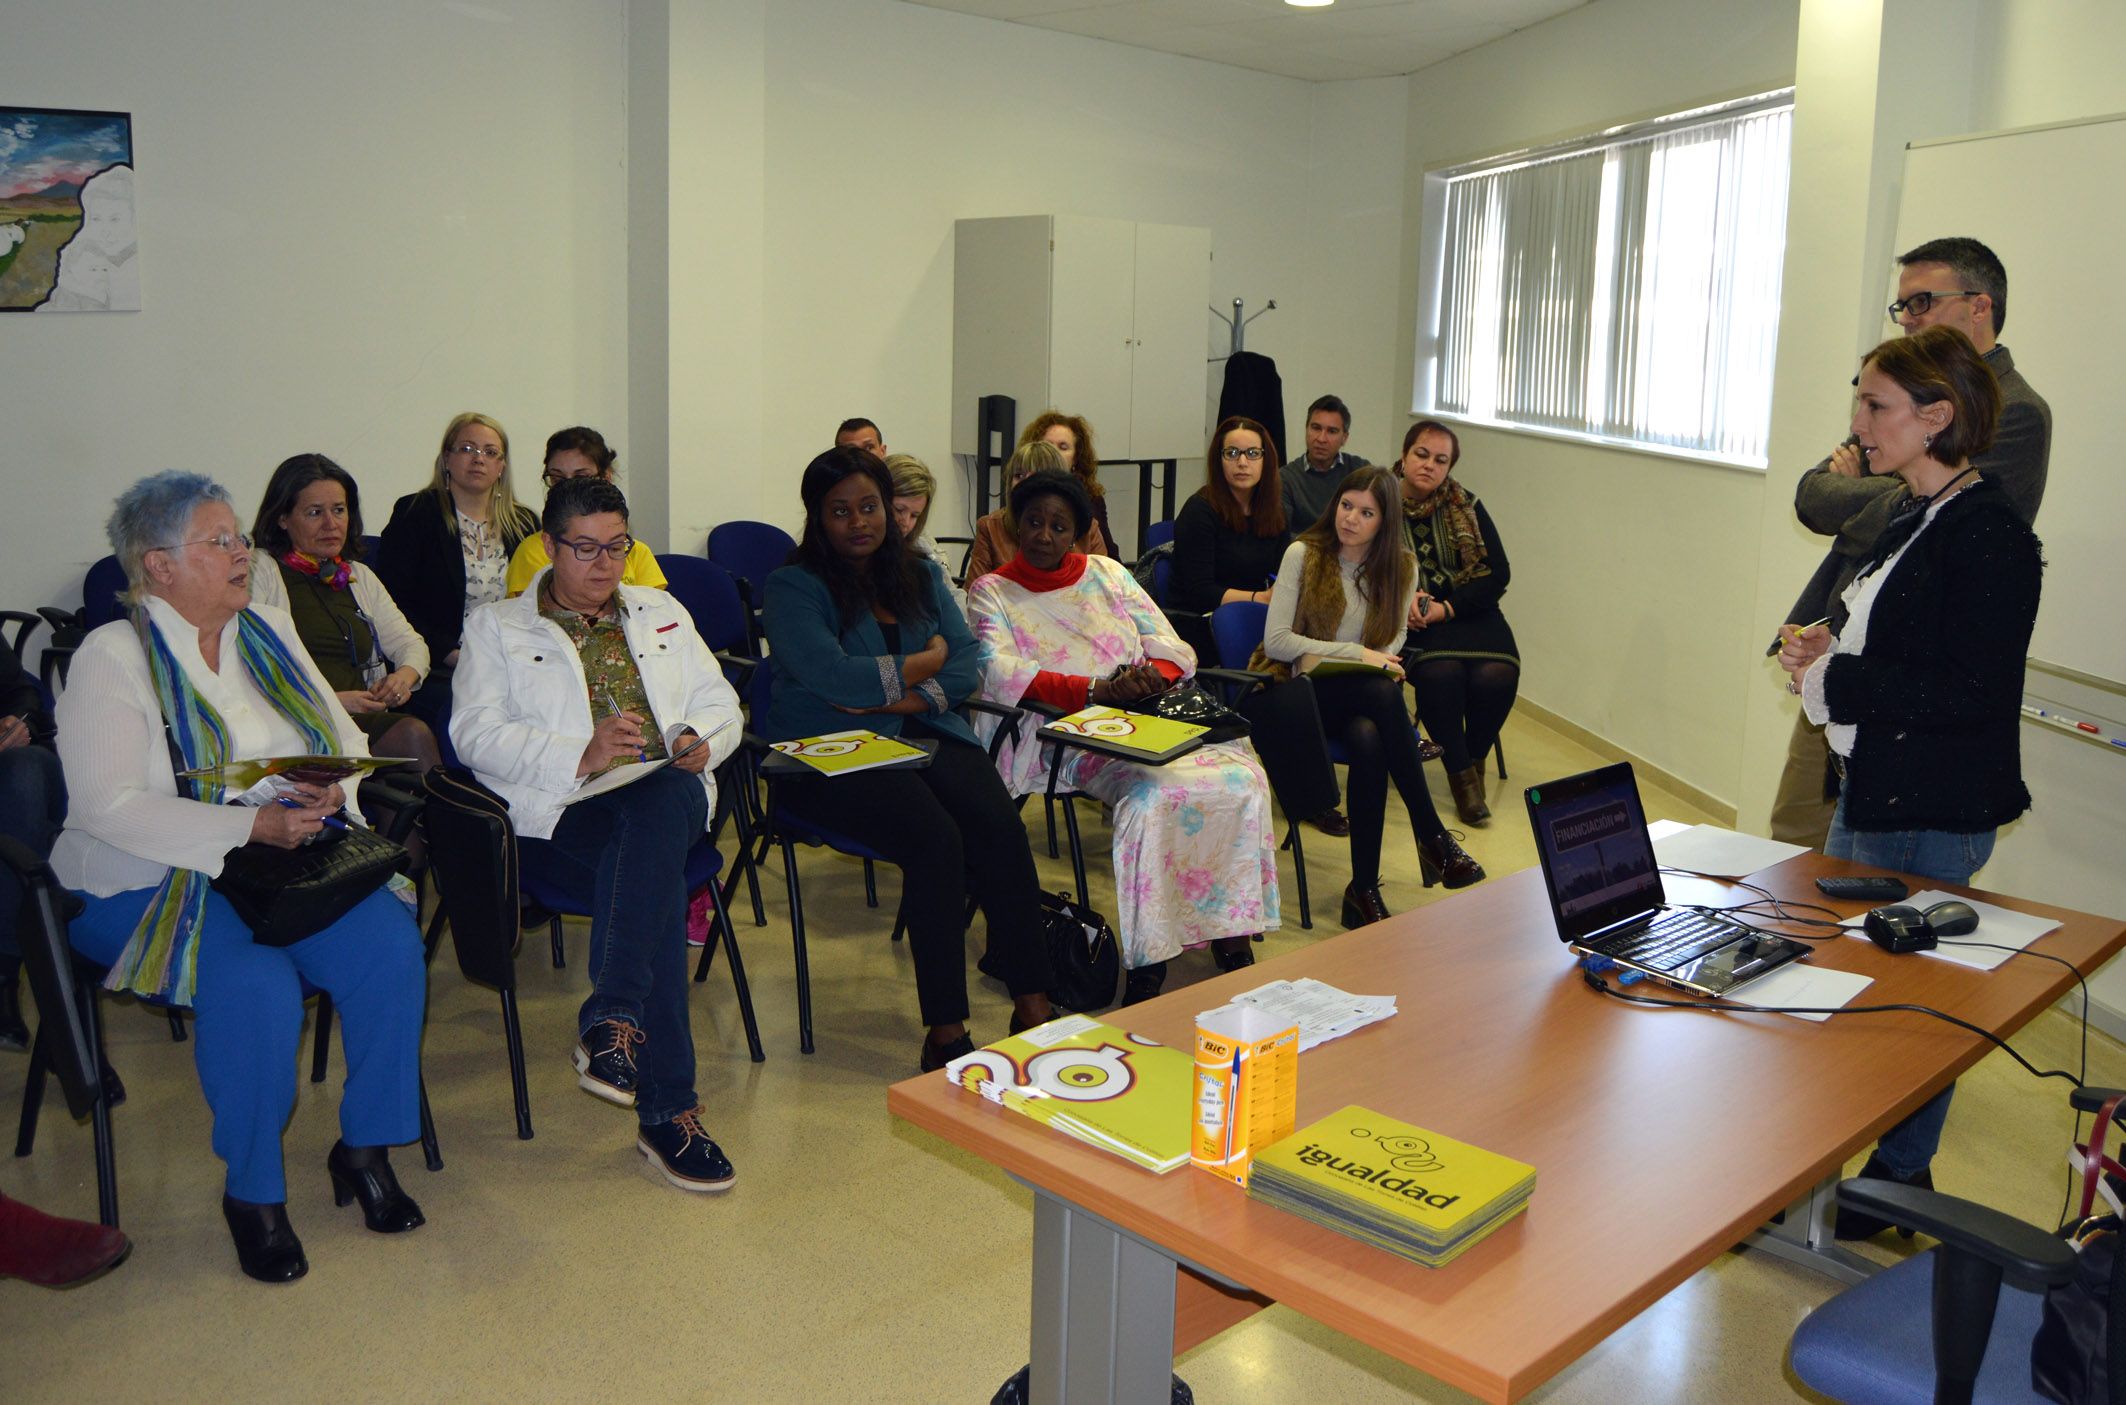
(1095, 317)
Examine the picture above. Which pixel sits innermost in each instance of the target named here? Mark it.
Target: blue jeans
(1908, 1148)
(248, 1024)
(32, 809)
(621, 857)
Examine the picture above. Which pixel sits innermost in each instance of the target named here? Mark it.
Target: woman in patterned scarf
(1460, 657)
(197, 673)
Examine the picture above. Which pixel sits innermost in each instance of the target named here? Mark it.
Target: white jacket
(521, 709)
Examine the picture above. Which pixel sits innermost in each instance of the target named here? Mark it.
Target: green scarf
(1444, 534)
(162, 958)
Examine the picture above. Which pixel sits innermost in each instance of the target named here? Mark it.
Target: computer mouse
(1951, 919)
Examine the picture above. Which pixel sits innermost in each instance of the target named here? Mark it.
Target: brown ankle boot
(1468, 787)
(1441, 860)
(1363, 906)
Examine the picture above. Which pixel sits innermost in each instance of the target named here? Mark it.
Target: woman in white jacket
(555, 687)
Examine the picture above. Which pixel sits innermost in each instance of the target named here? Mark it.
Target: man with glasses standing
(1953, 282)
(578, 675)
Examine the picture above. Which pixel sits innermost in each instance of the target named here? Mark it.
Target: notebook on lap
(1605, 891)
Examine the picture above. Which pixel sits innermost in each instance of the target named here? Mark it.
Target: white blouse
(1859, 600)
(126, 824)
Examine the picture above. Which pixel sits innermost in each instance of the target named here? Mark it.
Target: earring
(1926, 441)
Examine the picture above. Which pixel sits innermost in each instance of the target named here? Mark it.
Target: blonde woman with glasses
(447, 547)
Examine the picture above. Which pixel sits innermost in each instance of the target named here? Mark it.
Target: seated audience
(862, 633)
(1461, 658)
(1230, 534)
(1073, 439)
(914, 486)
(1309, 483)
(1195, 850)
(1343, 592)
(32, 809)
(446, 550)
(577, 675)
(996, 536)
(1920, 692)
(578, 452)
(196, 675)
(860, 433)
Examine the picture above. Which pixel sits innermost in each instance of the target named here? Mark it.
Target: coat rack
(1238, 325)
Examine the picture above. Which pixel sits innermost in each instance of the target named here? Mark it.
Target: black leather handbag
(1190, 703)
(285, 895)
(1084, 953)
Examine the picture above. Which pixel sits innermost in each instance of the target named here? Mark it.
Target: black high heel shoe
(364, 1173)
(1363, 906)
(1441, 860)
(1232, 958)
(1143, 983)
(266, 1246)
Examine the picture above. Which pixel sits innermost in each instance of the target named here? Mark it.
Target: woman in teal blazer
(864, 633)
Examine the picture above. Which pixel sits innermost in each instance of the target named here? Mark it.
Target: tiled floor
(856, 1260)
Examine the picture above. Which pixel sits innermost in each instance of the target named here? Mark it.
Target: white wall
(1634, 575)
(355, 220)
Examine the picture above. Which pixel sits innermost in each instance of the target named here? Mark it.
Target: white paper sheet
(1707, 848)
(1997, 926)
(1321, 1011)
(1799, 983)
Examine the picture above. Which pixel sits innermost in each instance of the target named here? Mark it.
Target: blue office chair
(1156, 535)
(99, 593)
(372, 551)
(751, 552)
(1956, 1323)
(1237, 628)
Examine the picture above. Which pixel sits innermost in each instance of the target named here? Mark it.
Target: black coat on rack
(1254, 389)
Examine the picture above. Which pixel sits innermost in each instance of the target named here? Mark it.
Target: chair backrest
(373, 552)
(1162, 577)
(1158, 534)
(472, 851)
(750, 551)
(62, 1025)
(100, 592)
(711, 597)
(1238, 629)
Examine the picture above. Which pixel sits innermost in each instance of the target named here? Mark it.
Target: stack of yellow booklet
(1395, 1186)
(1120, 1092)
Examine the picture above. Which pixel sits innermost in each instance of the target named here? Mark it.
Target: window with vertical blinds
(1625, 287)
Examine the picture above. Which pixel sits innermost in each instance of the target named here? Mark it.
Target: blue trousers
(248, 1024)
(1908, 1148)
(621, 857)
(32, 809)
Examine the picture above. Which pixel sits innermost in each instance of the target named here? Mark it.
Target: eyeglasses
(478, 451)
(1234, 454)
(591, 551)
(562, 475)
(220, 541)
(1919, 303)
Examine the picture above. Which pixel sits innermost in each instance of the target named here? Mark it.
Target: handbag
(1190, 703)
(2079, 1342)
(1084, 953)
(285, 895)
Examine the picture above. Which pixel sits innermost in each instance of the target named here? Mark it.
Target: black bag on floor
(1084, 953)
(2079, 1336)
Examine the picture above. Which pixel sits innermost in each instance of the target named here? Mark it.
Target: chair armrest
(1012, 723)
(2029, 1256)
(744, 666)
(2092, 1099)
(1243, 681)
(24, 624)
(1001, 711)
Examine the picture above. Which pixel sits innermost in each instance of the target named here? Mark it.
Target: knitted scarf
(1444, 534)
(162, 958)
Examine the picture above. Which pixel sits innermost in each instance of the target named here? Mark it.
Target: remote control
(1867, 890)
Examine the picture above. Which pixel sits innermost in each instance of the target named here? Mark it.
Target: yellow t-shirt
(531, 559)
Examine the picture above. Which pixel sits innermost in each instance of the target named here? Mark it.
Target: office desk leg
(1103, 1310)
(1803, 1235)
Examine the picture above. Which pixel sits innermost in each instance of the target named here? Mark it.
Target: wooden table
(1661, 1138)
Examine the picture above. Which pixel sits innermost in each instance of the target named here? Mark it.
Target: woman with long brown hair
(1343, 594)
(1229, 536)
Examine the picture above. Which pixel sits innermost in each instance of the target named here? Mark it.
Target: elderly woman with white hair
(198, 674)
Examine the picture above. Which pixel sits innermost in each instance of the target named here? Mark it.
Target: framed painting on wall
(67, 233)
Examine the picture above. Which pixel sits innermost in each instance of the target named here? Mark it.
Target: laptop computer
(1605, 891)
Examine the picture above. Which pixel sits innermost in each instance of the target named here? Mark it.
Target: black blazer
(1936, 691)
(422, 564)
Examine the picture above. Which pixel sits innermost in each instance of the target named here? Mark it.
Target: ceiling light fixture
(1310, 4)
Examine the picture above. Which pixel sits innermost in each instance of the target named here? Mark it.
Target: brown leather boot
(1468, 787)
(1441, 860)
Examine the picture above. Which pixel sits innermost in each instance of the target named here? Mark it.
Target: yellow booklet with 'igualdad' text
(1403, 1188)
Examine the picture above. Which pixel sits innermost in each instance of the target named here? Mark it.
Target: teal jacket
(817, 665)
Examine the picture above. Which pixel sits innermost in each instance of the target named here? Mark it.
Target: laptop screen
(1598, 862)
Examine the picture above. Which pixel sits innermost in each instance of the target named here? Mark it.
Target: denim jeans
(1907, 1149)
(32, 809)
(622, 857)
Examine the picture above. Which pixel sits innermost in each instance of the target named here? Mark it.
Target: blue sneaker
(605, 1060)
(683, 1152)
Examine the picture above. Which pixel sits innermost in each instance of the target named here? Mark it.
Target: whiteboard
(2051, 201)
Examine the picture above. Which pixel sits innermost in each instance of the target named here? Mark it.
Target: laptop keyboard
(1671, 939)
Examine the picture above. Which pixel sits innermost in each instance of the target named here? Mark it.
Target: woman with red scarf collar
(307, 535)
(1194, 851)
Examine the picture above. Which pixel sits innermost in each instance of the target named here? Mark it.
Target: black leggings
(1367, 715)
(948, 827)
(1463, 703)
